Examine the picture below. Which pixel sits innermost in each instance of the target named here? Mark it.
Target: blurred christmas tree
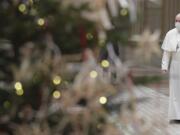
(37, 90)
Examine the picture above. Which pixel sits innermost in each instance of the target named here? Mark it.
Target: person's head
(177, 22)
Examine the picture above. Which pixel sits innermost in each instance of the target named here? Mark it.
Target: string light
(20, 92)
(93, 74)
(18, 86)
(22, 8)
(124, 12)
(40, 21)
(103, 100)
(57, 80)
(56, 94)
(89, 36)
(105, 63)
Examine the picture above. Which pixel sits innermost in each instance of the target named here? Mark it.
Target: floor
(153, 111)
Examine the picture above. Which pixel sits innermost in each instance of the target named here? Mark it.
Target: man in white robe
(171, 48)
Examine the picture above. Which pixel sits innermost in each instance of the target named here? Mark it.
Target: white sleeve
(165, 60)
(166, 46)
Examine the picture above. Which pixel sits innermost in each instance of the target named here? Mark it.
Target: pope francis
(171, 50)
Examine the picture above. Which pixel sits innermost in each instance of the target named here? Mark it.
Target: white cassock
(171, 49)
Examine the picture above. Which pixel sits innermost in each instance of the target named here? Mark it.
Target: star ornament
(148, 45)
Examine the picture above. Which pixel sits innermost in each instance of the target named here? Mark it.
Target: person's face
(177, 22)
(177, 19)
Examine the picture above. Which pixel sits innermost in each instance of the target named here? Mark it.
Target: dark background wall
(157, 15)
(169, 10)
